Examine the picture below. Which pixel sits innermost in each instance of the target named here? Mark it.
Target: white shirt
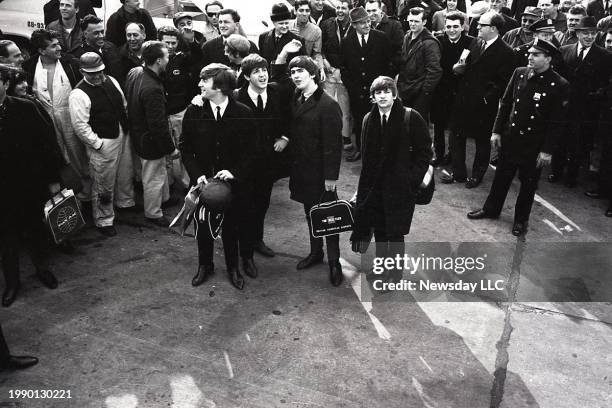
(80, 107)
(384, 115)
(360, 36)
(253, 95)
(61, 87)
(586, 51)
(222, 105)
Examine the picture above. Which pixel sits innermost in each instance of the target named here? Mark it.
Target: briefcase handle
(335, 192)
(61, 197)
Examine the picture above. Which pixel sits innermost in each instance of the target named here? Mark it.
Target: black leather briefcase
(331, 218)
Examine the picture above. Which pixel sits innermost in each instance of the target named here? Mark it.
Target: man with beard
(94, 41)
(533, 108)
(149, 128)
(130, 12)
(271, 109)
(452, 43)
(131, 51)
(522, 35)
(216, 142)
(214, 50)
(68, 25)
(271, 43)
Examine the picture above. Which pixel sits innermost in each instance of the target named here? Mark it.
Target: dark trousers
(230, 237)
(260, 202)
(316, 244)
(33, 236)
(528, 175)
(481, 159)
(360, 105)
(440, 140)
(4, 350)
(572, 147)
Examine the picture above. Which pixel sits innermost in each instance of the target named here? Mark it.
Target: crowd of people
(108, 110)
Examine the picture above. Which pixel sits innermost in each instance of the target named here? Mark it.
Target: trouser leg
(124, 187)
(177, 172)
(261, 202)
(528, 176)
(316, 244)
(360, 105)
(457, 146)
(10, 257)
(4, 350)
(205, 246)
(103, 169)
(155, 186)
(230, 236)
(439, 140)
(482, 156)
(499, 189)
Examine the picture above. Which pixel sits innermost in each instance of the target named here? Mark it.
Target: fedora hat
(587, 23)
(358, 14)
(280, 12)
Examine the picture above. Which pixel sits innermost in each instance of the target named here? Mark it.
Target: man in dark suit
(271, 43)
(30, 162)
(129, 12)
(271, 110)
(217, 142)
(213, 51)
(452, 43)
(530, 118)
(366, 54)
(390, 26)
(316, 144)
(484, 76)
(599, 9)
(588, 69)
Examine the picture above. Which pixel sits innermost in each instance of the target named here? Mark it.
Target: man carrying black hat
(588, 69)
(271, 43)
(530, 116)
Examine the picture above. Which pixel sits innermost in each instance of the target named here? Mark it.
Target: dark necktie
(302, 99)
(384, 124)
(581, 54)
(218, 113)
(260, 105)
(363, 41)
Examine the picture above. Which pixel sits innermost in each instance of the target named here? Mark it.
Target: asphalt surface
(126, 329)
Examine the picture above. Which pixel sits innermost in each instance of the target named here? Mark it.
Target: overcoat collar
(309, 104)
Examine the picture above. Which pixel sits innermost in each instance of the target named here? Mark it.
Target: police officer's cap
(543, 46)
(545, 24)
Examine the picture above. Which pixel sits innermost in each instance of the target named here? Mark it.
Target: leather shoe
(480, 214)
(519, 228)
(450, 179)
(593, 194)
(249, 267)
(18, 362)
(109, 231)
(473, 182)
(47, 278)
(552, 178)
(310, 260)
(236, 278)
(261, 248)
(10, 295)
(204, 272)
(160, 222)
(609, 212)
(354, 157)
(335, 273)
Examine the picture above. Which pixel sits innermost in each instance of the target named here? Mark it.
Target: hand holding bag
(331, 218)
(63, 215)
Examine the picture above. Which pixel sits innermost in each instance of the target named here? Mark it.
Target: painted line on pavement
(425, 399)
(350, 271)
(228, 364)
(425, 363)
(551, 207)
(553, 226)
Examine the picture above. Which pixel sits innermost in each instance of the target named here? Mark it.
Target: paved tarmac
(125, 328)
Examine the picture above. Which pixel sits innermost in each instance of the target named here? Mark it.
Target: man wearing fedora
(271, 43)
(366, 54)
(533, 108)
(588, 69)
(99, 118)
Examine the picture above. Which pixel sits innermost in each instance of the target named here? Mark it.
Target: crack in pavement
(502, 359)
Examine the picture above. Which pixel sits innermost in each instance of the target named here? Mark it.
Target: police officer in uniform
(530, 116)
(543, 29)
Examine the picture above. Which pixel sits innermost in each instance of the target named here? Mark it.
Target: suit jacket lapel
(307, 105)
